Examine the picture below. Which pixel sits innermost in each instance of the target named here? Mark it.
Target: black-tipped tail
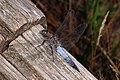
(71, 63)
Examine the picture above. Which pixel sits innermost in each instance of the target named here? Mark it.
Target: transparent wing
(67, 37)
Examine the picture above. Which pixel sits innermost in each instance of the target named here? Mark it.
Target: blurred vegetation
(102, 66)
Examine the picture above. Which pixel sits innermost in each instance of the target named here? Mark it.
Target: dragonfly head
(44, 32)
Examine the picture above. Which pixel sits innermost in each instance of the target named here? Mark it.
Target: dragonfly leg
(52, 51)
(42, 43)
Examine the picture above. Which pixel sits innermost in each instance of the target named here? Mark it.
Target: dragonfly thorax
(49, 38)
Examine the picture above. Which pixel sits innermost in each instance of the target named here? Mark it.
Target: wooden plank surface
(8, 72)
(17, 16)
(24, 59)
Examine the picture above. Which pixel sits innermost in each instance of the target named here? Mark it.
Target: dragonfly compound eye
(44, 33)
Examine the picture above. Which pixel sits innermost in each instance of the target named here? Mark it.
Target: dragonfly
(64, 39)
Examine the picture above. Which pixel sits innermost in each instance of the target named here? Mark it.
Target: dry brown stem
(112, 66)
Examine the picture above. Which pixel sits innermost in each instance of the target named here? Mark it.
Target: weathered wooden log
(21, 56)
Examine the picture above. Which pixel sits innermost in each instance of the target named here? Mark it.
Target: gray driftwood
(20, 56)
